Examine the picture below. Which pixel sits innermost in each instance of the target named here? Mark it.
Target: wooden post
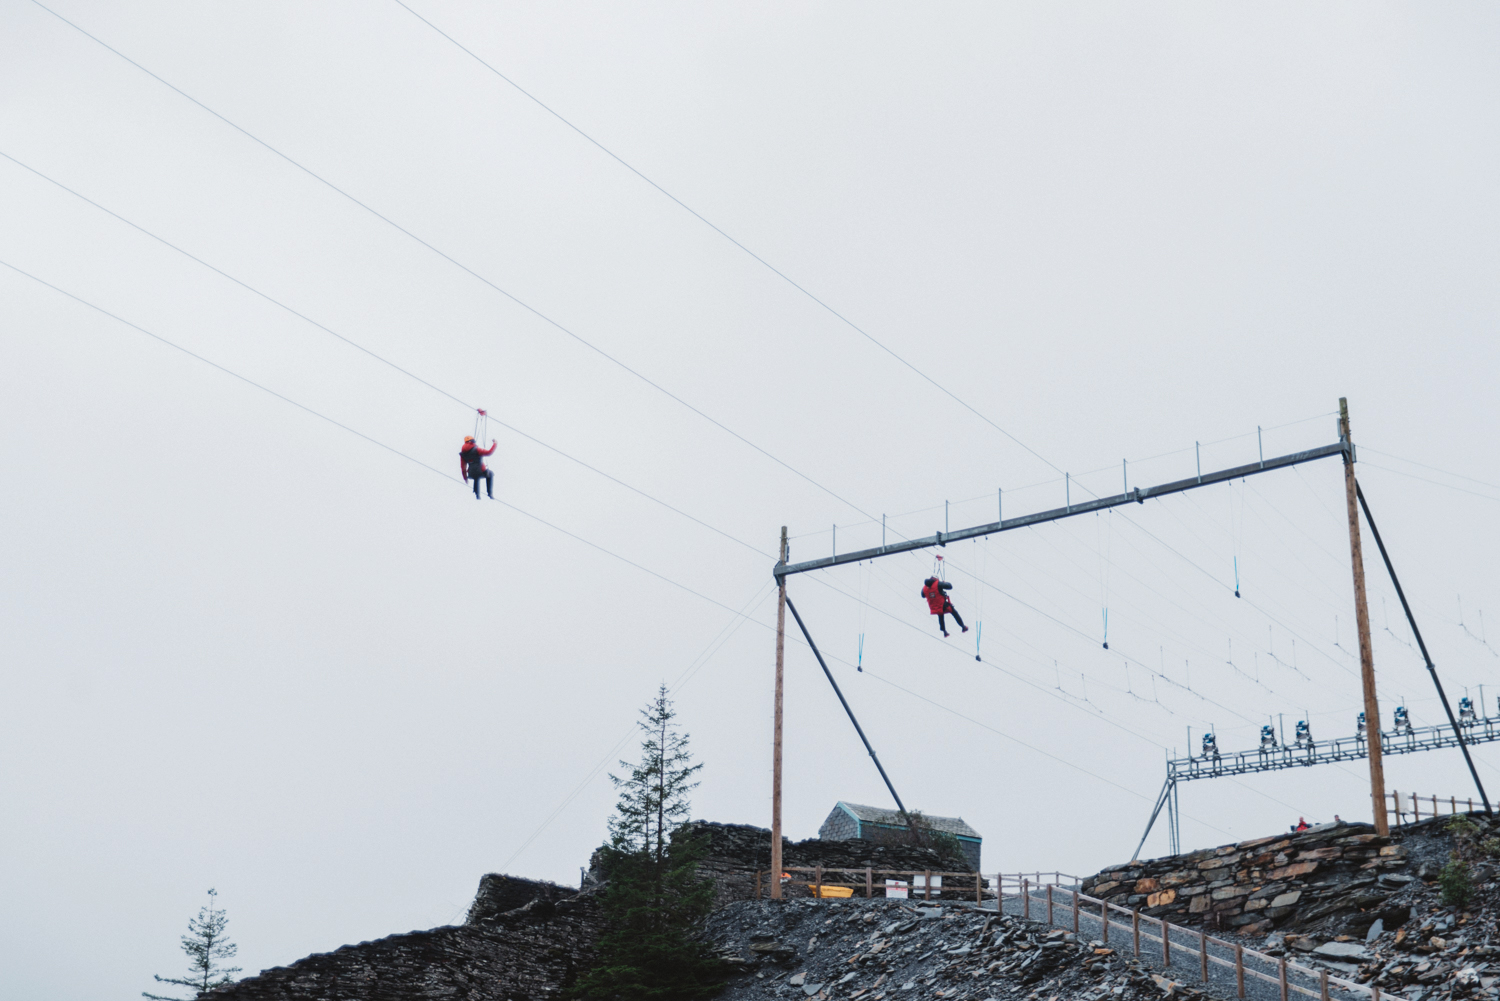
(1104, 919)
(1374, 993)
(1026, 899)
(1075, 912)
(1362, 624)
(979, 890)
(757, 884)
(869, 883)
(776, 731)
(1239, 970)
(927, 884)
(818, 878)
(1166, 944)
(1281, 976)
(1049, 905)
(1203, 953)
(1453, 804)
(1135, 929)
(1323, 985)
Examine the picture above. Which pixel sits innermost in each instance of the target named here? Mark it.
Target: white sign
(896, 889)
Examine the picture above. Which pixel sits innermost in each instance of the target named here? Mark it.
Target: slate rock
(1342, 950)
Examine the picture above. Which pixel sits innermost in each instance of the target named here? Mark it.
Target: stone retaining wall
(1333, 875)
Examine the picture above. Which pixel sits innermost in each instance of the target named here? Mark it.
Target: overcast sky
(257, 635)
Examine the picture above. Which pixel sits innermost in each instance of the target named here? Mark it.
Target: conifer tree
(207, 946)
(654, 900)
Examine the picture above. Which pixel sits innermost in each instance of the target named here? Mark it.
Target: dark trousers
(950, 610)
(489, 484)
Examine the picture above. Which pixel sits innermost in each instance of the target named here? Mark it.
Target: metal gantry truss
(1419, 738)
(1326, 752)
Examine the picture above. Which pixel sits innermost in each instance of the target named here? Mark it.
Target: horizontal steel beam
(1137, 496)
(1422, 738)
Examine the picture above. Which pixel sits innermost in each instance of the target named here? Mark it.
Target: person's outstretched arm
(488, 451)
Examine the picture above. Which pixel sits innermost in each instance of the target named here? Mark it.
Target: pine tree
(654, 798)
(207, 946)
(654, 900)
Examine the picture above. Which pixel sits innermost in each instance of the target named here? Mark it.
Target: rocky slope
(869, 950)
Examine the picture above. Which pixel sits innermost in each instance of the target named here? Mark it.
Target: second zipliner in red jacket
(939, 604)
(471, 461)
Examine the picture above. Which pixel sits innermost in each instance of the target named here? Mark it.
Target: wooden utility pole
(776, 731)
(1362, 623)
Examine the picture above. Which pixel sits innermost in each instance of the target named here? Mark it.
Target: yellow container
(833, 891)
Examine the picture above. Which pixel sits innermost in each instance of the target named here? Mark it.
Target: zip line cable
(1103, 717)
(1129, 521)
(1436, 483)
(380, 358)
(458, 264)
(740, 615)
(1070, 628)
(286, 399)
(1435, 469)
(374, 441)
(752, 254)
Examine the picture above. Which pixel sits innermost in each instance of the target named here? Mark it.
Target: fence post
(1075, 912)
(869, 883)
(818, 877)
(1026, 899)
(979, 889)
(1239, 970)
(1203, 952)
(1104, 920)
(1374, 993)
(1281, 976)
(757, 884)
(1049, 905)
(1323, 985)
(1166, 944)
(1135, 931)
(927, 882)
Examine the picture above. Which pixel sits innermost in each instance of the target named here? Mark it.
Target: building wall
(839, 826)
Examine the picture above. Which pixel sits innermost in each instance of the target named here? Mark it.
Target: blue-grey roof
(880, 815)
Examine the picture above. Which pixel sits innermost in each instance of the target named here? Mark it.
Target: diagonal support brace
(1463, 745)
(857, 728)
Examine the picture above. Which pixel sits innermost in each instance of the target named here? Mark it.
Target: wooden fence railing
(1047, 892)
(915, 881)
(1409, 804)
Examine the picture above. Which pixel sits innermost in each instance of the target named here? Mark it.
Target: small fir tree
(208, 947)
(654, 901)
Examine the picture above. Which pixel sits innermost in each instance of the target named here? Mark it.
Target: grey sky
(248, 649)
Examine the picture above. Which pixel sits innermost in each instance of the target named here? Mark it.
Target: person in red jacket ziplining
(938, 603)
(471, 461)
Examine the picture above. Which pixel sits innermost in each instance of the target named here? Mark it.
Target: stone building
(851, 820)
